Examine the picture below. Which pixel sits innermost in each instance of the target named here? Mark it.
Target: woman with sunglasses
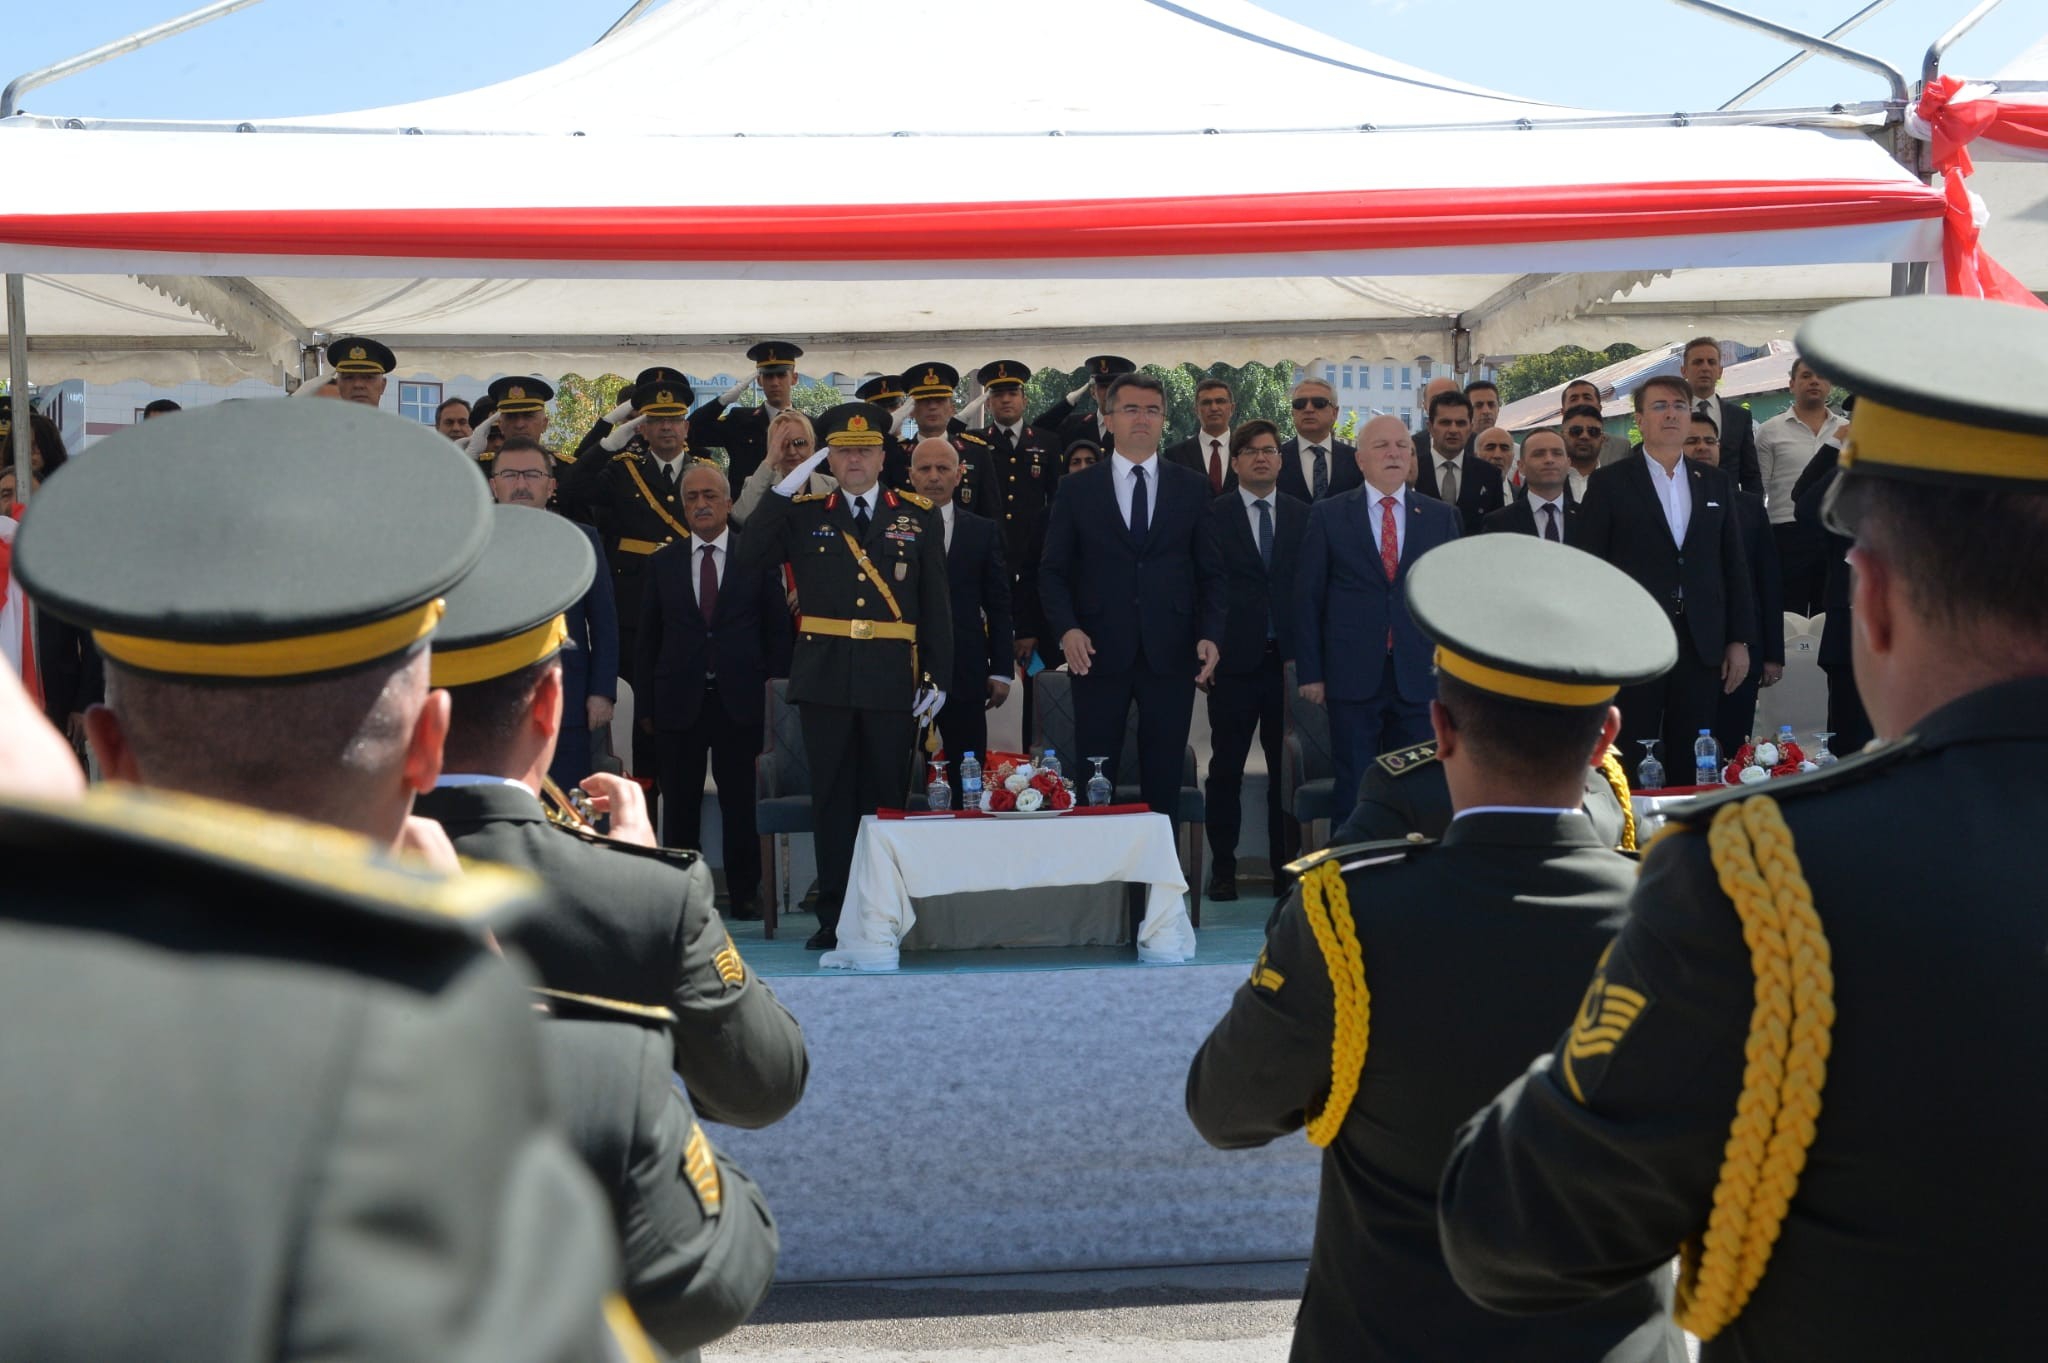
(791, 440)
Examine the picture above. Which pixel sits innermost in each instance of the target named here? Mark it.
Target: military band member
(742, 432)
(1403, 981)
(876, 632)
(519, 407)
(1405, 792)
(932, 406)
(1814, 1056)
(698, 1240)
(252, 1062)
(630, 920)
(1027, 463)
(359, 366)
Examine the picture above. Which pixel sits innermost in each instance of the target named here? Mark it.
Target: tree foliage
(1260, 391)
(1534, 373)
(579, 402)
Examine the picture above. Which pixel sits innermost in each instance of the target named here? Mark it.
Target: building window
(1330, 375)
(1428, 368)
(1407, 416)
(1407, 376)
(1387, 377)
(418, 401)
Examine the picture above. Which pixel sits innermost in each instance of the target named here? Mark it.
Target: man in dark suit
(1673, 527)
(1357, 649)
(1207, 451)
(1133, 587)
(1258, 532)
(978, 584)
(1735, 716)
(1546, 508)
(710, 638)
(523, 474)
(1314, 464)
(1448, 472)
(1848, 721)
(1702, 373)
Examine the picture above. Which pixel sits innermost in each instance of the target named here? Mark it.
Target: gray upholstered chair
(782, 791)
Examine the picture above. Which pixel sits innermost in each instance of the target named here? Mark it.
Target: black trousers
(1239, 703)
(1673, 708)
(679, 763)
(1734, 715)
(963, 726)
(1847, 719)
(1802, 566)
(1166, 707)
(859, 763)
(646, 759)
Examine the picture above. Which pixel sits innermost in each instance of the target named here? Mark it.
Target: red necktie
(707, 585)
(1390, 551)
(1215, 465)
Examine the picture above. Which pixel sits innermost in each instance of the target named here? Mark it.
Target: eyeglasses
(1585, 430)
(1304, 404)
(1133, 409)
(522, 475)
(1666, 408)
(1273, 450)
(797, 443)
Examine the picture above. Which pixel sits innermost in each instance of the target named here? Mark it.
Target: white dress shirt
(1375, 513)
(1577, 481)
(1674, 493)
(1308, 464)
(1713, 410)
(1785, 445)
(719, 549)
(673, 468)
(1123, 469)
(1536, 505)
(1016, 433)
(1251, 512)
(946, 519)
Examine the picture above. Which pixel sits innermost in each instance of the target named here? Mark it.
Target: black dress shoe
(824, 939)
(745, 911)
(1222, 887)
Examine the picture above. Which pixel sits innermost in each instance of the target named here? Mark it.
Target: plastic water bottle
(1052, 763)
(1785, 736)
(1706, 760)
(970, 782)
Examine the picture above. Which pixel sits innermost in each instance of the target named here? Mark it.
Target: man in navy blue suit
(1258, 531)
(978, 582)
(711, 635)
(523, 474)
(1356, 648)
(1449, 471)
(1133, 588)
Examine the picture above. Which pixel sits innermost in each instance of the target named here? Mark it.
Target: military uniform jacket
(980, 490)
(742, 432)
(906, 543)
(1405, 792)
(1475, 953)
(637, 924)
(270, 1096)
(699, 1242)
(1027, 470)
(1915, 1230)
(635, 516)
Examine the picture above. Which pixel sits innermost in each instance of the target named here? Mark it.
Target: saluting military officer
(877, 628)
(252, 1062)
(519, 407)
(1026, 460)
(359, 366)
(632, 494)
(742, 432)
(1815, 1055)
(631, 920)
(886, 391)
(932, 406)
(1071, 425)
(1403, 982)
(1404, 791)
(698, 1239)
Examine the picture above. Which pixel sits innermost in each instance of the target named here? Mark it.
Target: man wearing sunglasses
(1314, 464)
(1585, 440)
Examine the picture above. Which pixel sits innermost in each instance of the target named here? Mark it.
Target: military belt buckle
(862, 629)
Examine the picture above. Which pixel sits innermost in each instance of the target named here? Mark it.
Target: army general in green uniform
(875, 628)
(1817, 1057)
(1404, 981)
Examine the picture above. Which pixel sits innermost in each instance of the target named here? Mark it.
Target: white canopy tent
(655, 207)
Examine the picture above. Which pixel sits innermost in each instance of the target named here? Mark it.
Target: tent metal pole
(10, 97)
(1930, 66)
(633, 12)
(17, 387)
(1823, 46)
(1799, 59)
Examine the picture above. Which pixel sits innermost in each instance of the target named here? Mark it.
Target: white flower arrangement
(1029, 801)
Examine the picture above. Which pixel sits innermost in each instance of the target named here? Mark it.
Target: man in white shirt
(1785, 445)
(1585, 442)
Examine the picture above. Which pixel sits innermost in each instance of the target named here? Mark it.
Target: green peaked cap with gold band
(507, 614)
(209, 544)
(1948, 390)
(1541, 623)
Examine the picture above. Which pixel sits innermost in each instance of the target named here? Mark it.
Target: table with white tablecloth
(897, 860)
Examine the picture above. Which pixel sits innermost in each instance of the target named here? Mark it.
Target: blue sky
(287, 57)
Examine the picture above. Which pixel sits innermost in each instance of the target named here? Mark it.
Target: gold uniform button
(860, 577)
(860, 601)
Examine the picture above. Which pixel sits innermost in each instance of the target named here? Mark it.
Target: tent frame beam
(10, 98)
(1930, 65)
(1894, 77)
(1801, 58)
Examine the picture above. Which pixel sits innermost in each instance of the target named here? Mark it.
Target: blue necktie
(1320, 483)
(1141, 514)
(1265, 531)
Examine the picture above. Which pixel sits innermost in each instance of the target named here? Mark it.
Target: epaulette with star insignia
(1359, 855)
(915, 499)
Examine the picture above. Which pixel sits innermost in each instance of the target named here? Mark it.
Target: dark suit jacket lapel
(1240, 518)
(1640, 476)
(1155, 473)
(1696, 482)
(1411, 510)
